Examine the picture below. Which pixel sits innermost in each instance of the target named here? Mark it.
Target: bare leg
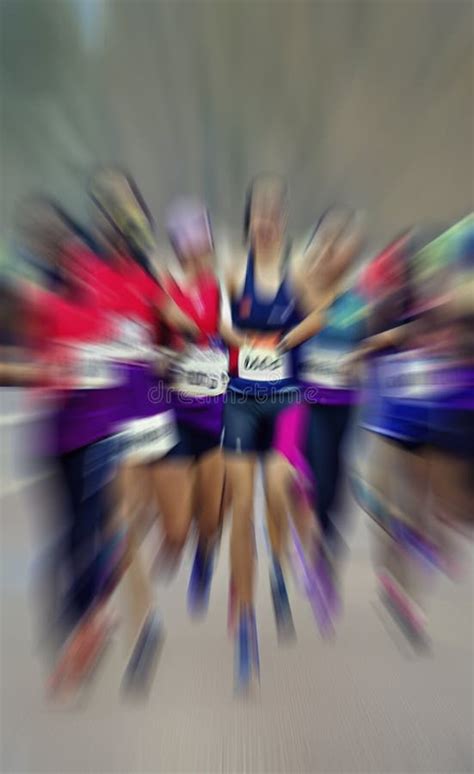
(209, 486)
(137, 588)
(241, 469)
(174, 481)
(278, 481)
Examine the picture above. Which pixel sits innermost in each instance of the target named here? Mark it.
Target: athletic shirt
(132, 297)
(323, 358)
(385, 284)
(201, 303)
(70, 332)
(69, 328)
(199, 376)
(418, 389)
(435, 369)
(257, 368)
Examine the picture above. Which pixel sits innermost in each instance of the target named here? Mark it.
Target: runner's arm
(229, 335)
(316, 278)
(315, 305)
(173, 316)
(394, 337)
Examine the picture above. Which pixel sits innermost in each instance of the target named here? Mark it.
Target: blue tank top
(321, 366)
(257, 367)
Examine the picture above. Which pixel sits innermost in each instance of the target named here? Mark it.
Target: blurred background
(369, 103)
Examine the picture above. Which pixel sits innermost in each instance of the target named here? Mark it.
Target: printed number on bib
(327, 368)
(259, 360)
(201, 372)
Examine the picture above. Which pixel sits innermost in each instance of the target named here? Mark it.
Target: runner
(329, 390)
(144, 421)
(263, 299)
(191, 477)
(393, 477)
(68, 332)
(420, 424)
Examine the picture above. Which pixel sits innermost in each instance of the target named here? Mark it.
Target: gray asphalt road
(362, 703)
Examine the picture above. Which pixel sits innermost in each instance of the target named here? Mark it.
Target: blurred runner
(421, 415)
(329, 389)
(191, 477)
(145, 423)
(264, 298)
(68, 333)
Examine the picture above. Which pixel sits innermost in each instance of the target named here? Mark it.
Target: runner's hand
(175, 318)
(285, 344)
(166, 361)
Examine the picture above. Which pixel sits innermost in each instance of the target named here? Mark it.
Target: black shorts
(193, 442)
(249, 422)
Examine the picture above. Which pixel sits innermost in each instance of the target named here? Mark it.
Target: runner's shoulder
(297, 269)
(235, 273)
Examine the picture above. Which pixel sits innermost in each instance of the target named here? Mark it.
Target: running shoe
(81, 654)
(255, 653)
(326, 578)
(200, 581)
(281, 603)
(424, 551)
(302, 560)
(407, 615)
(247, 664)
(323, 594)
(142, 663)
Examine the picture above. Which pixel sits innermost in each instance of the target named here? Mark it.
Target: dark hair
(248, 198)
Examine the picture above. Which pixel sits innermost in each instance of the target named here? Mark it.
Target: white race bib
(149, 438)
(88, 367)
(263, 365)
(260, 361)
(131, 340)
(201, 372)
(325, 367)
(413, 375)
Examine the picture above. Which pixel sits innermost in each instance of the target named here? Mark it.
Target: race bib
(201, 372)
(327, 368)
(131, 340)
(87, 367)
(412, 376)
(260, 361)
(149, 438)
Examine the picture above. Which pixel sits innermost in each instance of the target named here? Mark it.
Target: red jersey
(69, 329)
(201, 302)
(131, 300)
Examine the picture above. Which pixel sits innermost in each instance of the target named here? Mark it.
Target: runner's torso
(132, 300)
(257, 367)
(323, 358)
(201, 368)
